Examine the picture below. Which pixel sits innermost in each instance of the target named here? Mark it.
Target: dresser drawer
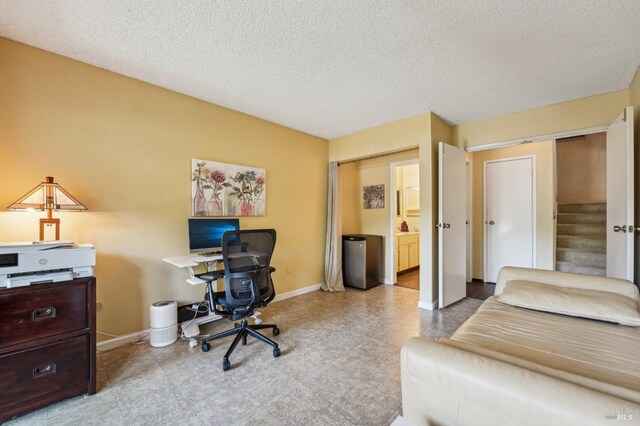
(42, 375)
(51, 310)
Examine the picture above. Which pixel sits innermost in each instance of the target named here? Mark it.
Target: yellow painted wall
(401, 134)
(634, 100)
(545, 202)
(572, 115)
(358, 220)
(582, 169)
(124, 149)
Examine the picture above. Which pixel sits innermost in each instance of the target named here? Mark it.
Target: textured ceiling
(334, 67)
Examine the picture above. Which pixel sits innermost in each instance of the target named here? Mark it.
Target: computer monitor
(205, 235)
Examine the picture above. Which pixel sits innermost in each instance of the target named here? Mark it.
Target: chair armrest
(211, 275)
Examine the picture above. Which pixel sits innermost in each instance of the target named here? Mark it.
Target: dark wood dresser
(47, 344)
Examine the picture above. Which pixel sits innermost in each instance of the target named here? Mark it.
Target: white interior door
(620, 196)
(451, 225)
(509, 190)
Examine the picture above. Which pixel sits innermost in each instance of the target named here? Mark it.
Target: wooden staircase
(581, 238)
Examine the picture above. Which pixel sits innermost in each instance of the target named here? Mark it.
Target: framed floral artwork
(222, 189)
(373, 196)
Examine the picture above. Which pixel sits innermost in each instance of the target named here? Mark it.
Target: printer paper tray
(52, 277)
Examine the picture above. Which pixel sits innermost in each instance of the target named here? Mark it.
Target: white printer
(27, 263)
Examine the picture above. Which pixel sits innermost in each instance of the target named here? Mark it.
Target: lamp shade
(47, 195)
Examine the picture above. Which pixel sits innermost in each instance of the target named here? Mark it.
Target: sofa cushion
(566, 279)
(576, 302)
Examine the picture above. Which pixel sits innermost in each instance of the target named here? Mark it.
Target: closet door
(452, 231)
(620, 212)
(509, 219)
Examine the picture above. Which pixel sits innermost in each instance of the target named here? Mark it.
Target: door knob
(491, 222)
(447, 225)
(617, 228)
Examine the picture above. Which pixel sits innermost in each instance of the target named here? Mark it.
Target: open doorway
(405, 223)
(581, 234)
(360, 217)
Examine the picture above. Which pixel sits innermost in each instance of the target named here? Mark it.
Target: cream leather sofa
(513, 366)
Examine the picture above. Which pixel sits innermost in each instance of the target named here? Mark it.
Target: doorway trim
(391, 243)
(533, 207)
(550, 136)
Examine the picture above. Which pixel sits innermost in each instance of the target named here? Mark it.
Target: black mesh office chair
(248, 286)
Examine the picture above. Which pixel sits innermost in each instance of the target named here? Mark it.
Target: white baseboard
(428, 306)
(105, 345)
(297, 292)
(387, 281)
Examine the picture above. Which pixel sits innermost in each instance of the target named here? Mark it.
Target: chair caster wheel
(225, 365)
(276, 352)
(205, 347)
(276, 331)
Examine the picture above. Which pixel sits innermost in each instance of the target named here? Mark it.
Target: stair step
(587, 217)
(582, 208)
(580, 269)
(582, 257)
(583, 229)
(584, 243)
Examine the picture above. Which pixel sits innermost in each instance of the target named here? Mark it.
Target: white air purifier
(164, 323)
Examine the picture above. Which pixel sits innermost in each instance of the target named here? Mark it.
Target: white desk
(190, 261)
(190, 328)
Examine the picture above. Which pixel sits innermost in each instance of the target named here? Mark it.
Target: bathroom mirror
(412, 201)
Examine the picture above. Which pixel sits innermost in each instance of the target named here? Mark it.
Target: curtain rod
(386, 154)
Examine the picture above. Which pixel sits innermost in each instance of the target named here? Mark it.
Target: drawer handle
(49, 312)
(44, 370)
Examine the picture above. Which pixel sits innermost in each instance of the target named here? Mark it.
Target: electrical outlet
(98, 306)
(288, 268)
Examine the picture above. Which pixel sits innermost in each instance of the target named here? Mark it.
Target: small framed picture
(373, 197)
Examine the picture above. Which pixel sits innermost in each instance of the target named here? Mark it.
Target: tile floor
(409, 279)
(480, 290)
(475, 289)
(340, 365)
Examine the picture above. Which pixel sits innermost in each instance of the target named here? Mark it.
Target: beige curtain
(333, 250)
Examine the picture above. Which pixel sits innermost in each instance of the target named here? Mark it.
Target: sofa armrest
(445, 385)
